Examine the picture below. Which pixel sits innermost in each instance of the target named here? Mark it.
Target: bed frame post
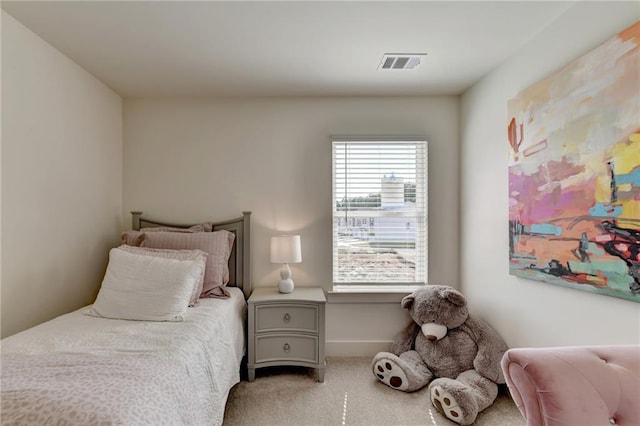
(135, 220)
(246, 254)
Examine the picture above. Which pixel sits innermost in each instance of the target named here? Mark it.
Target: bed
(82, 369)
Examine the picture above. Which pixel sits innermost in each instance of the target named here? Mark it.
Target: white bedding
(82, 369)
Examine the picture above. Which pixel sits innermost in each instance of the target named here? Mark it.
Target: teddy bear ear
(454, 297)
(407, 301)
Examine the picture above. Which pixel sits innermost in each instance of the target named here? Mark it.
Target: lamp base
(285, 286)
(286, 283)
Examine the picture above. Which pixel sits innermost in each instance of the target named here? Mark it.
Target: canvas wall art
(574, 173)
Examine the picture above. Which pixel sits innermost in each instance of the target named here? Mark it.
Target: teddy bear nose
(431, 338)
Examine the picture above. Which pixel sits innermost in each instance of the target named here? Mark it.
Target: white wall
(191, 160)
(61, 180)
(529, 313)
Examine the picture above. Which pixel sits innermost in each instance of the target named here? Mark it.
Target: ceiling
(301, 48)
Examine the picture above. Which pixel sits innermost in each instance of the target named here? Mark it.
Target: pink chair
(575, 385)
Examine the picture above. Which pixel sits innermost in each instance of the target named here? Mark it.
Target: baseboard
(356, 347)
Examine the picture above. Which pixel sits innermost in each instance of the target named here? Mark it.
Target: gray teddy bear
(456, 354)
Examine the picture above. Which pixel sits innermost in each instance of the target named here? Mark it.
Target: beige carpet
(350, 395)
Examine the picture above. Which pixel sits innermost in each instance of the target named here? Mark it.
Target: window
(379, 212)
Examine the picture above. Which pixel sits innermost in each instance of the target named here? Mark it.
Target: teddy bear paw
(390, 373)
(447, 404)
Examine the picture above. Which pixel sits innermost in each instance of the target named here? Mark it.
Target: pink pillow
(177, 255)
(134, 238)
(217, 244)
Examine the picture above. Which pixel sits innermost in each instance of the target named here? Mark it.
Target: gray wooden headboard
(240, 259)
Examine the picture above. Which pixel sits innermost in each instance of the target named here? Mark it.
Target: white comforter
(78, 369)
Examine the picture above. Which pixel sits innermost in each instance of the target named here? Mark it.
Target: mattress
(80, 369)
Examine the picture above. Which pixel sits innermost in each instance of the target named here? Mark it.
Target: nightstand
(286, 329)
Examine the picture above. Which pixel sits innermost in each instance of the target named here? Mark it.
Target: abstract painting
(574, 173)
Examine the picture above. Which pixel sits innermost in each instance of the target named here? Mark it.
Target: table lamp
(286, 249)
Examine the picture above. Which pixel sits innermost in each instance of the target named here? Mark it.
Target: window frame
(379, 286)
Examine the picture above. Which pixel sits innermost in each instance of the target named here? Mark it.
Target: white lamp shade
(286, 249)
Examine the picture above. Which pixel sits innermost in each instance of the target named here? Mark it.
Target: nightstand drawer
(281, 347)
(287, 317)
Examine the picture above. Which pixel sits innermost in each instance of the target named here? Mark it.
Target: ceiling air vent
(401, 61)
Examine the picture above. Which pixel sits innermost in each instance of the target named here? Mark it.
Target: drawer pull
(287, 318)
(286, 347)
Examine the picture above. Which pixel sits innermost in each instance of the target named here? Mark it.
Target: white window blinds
(379, 212)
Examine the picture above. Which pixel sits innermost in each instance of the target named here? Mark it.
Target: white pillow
(174, 254)
(148, 288)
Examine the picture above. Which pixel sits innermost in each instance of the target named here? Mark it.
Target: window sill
(369, 294)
